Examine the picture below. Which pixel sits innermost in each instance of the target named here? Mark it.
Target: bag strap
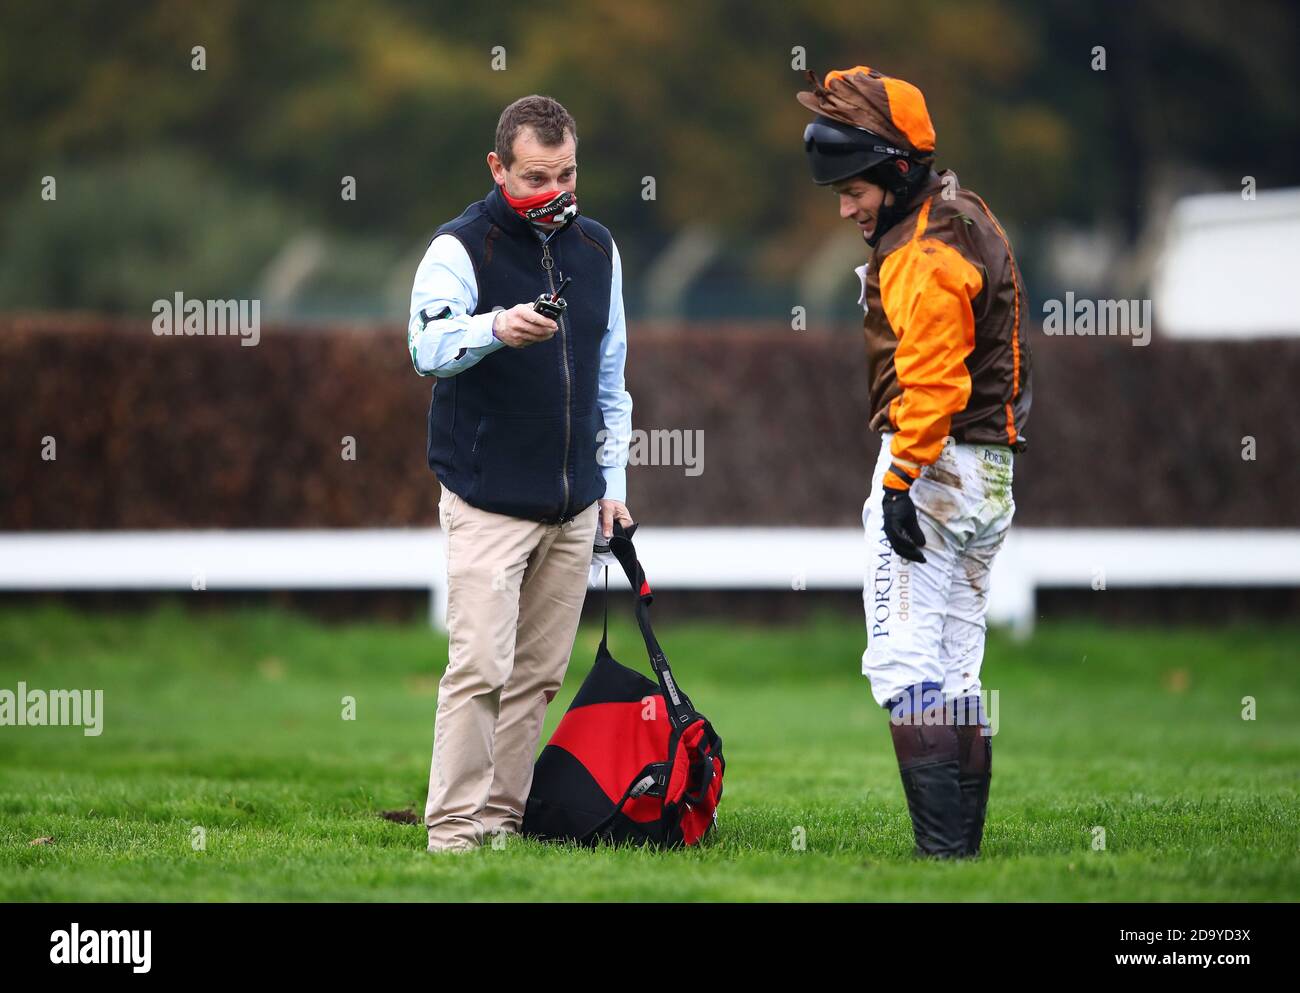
(679, 704)
(709, 763)
(604, 626)
(650, 781)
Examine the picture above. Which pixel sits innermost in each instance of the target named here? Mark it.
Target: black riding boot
(974, 773)
(928, 763)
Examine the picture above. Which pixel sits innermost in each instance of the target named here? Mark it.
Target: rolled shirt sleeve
(614, 400)
(443, 335)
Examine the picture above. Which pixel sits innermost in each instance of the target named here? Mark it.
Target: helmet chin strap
(904, 187)
(886, 218)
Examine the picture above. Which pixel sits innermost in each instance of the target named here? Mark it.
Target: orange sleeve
(926, 289)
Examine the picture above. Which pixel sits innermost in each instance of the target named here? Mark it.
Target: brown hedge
(156, 432)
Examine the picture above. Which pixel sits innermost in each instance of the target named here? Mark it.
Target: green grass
(232, 722)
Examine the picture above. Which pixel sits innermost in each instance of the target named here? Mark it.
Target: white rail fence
(675, 558)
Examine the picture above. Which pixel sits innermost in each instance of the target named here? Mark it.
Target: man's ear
(497, 168)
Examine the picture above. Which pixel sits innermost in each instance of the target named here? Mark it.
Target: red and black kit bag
(632, 761)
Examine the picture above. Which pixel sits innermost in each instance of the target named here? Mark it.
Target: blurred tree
(129, 231)
(402, 95)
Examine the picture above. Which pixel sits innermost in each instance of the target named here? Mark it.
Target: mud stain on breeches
(943, 476)
(977, 573)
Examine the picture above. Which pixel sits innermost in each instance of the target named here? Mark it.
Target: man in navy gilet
(528, 434)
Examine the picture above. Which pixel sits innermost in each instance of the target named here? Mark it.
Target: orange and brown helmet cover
(866, 98)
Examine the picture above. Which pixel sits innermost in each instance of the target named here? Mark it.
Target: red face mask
(544, 208)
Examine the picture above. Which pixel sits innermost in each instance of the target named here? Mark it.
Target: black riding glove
(901, 528)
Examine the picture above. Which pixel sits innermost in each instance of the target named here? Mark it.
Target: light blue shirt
(442, 348)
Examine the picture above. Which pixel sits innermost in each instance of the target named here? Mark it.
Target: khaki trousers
(515, 590)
